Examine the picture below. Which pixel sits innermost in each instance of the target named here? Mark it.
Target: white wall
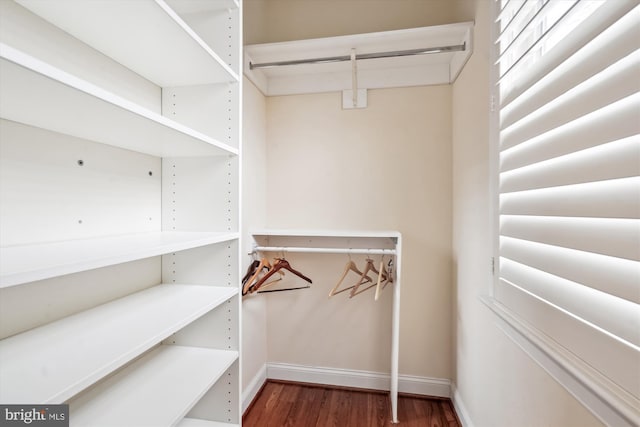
(498, 384)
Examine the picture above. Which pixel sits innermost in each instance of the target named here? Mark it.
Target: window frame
(594, 390)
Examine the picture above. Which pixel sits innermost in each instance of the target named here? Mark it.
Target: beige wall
(497, 382)
(386, 167)
(324, 170)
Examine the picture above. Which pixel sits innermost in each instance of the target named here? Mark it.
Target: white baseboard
(253, 388)
(358, 379)
(461, 409)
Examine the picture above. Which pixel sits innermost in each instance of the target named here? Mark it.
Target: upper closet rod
(343, 58)
(325, 250)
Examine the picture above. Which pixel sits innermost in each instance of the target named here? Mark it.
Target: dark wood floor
(281, 404)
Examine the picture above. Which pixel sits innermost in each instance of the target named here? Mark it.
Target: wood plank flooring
(284, 404)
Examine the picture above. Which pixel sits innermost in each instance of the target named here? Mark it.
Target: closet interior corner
(119, 251)
(385, 166)
(314, 213)
(130, 259)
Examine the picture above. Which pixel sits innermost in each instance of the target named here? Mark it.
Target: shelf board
(156, 390)
(325, 233)
(327, 241)
(52, 363)
(192, 422)
(431, 69)
(27, 263)
(150, 38)
(37, 94)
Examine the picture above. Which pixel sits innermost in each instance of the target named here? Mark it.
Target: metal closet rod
(344, 58)
(325, 250)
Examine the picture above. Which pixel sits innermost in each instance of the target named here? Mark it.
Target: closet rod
(325, 250)
(343, 58)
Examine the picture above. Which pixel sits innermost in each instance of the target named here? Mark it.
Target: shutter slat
(539, 26)
(618, 198)
(507, 32)
(585, 303)
(586, 269)
(601, 350)
(525, 77)
(617, 82)
(618, 41)
(619, 159)
(614, 122)
(507, 10)
(613, 237)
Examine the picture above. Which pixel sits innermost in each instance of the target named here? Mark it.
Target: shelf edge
(21, 277)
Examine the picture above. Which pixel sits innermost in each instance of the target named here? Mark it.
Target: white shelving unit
(346, 242)
(119, 209)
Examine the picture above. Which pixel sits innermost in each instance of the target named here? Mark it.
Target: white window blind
(569, 178)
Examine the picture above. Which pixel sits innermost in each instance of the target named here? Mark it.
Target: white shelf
(156, 390)
(52, 363)
(326, 241)
(192, 422)
(146, 36)
(37, 94)
(28, 263)
(431, 69)
(326, 233)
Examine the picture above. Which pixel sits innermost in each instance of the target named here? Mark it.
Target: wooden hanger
(280, 263)
(384, 281)
(248, 284)
(350, 266)
(383, 278)
(250, 271)
(263, 285)
(369, 267)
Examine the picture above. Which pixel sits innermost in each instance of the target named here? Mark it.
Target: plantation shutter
(569, 185)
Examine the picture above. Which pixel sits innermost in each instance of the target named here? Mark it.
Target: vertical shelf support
(395, 333)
